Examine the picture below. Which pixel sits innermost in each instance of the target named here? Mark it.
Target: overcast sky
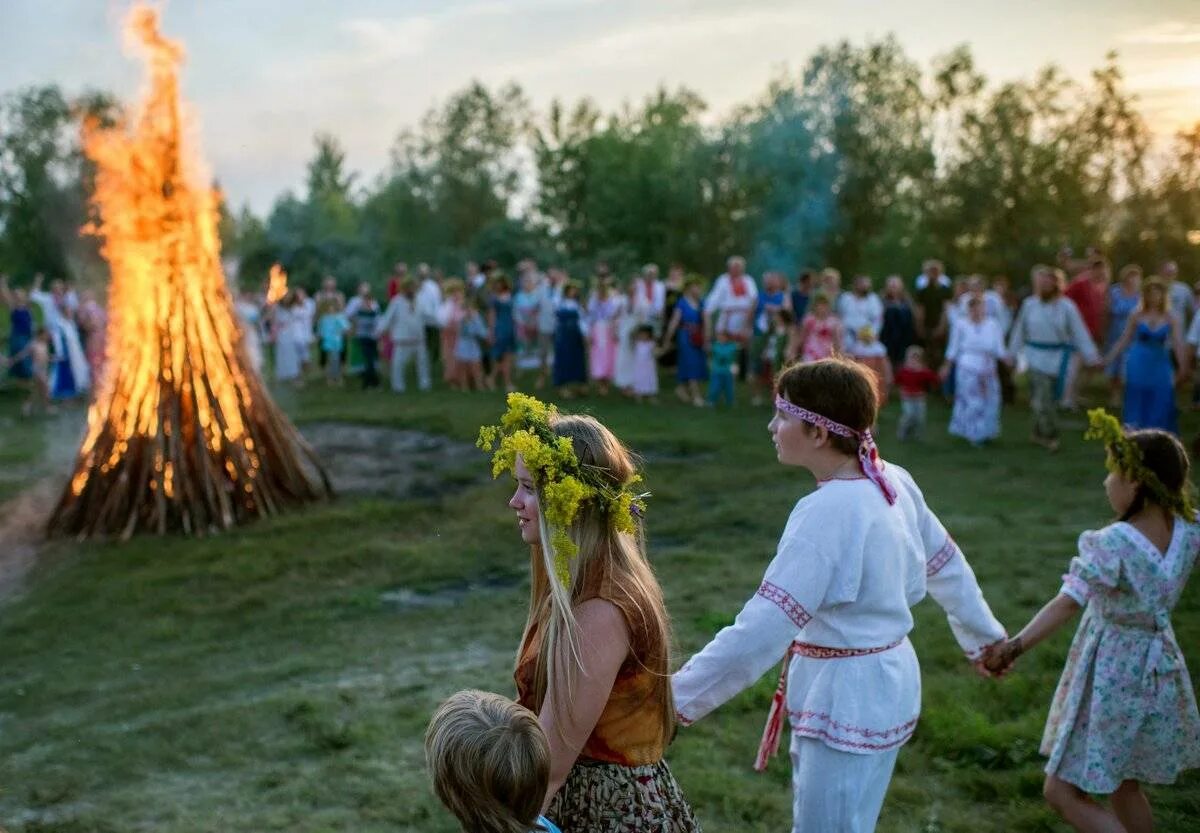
(264, 75)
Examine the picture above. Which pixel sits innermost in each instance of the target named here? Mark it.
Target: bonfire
(182, 435)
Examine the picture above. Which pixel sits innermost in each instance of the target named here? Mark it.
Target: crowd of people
(55, 340)
(964, 338)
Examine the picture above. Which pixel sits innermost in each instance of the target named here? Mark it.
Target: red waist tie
(770, 739)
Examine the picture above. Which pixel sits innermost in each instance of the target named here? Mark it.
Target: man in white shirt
(405, 324)
(729, 308)
(429, 302)
(1048, 330)
(650, 297)
(1180, 297)
(860, 309)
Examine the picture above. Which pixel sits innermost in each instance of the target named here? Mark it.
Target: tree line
(864, 159)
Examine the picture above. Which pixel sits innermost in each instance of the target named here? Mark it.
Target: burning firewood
(182, 435)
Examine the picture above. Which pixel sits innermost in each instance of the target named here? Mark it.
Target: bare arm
(603, 647)
(6, 294)
(671, 328)
(1123, 341)
(1057, 612)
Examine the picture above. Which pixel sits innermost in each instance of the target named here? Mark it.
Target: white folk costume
(1046, 334)
(834, 603)
(975, 348)
(404, 322)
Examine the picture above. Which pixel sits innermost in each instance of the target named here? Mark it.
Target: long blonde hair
(611, 565)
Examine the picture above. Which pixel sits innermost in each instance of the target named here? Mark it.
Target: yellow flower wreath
(1125, 458)
(564, 484)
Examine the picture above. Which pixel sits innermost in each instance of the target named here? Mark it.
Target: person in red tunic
(1089, 292)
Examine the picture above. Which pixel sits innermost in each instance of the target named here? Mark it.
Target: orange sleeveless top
(629, 731)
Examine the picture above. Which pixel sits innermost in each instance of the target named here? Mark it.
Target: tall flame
(180, 421)
(277, 285)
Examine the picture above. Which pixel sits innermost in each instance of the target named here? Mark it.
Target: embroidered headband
(868, 452)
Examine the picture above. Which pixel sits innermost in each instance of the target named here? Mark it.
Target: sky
(264, 76)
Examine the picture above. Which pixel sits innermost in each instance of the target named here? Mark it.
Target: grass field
(266, 680)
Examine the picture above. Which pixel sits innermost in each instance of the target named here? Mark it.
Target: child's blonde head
(490, 762)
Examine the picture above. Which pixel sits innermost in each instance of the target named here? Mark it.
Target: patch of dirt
(391, 462)
(361, 460)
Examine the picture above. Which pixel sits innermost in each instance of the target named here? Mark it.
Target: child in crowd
(490, 763)
(857, 553)
(915, 380)
(645, 365)
(1124, 712)
(332, 326)
(38, 355)
(468, 347)
(821, 331)
(870, 352)
(722, 369)
(628, 320)
(778, 343)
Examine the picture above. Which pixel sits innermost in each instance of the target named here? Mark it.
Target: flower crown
(1125, 458)
(565, 484)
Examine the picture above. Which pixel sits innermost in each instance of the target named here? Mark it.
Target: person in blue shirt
(490, 763)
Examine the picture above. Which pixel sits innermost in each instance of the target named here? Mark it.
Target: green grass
(257, 681)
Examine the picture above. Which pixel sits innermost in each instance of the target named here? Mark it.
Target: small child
(1124, 711)
(722, 369)
(490, 763)
(856, 554)
(645, 365)
(820, 331)
(468, 348)
(332, 326)
(39, 356)
(915, 380)
(868, 350)
(780, 341)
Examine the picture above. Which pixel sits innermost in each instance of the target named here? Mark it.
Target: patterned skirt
(609, 798)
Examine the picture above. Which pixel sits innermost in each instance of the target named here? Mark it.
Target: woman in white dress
(976, 344)
(291, 342)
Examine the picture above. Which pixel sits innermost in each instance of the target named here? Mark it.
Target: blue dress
(693, 364)
(1149, 380)
(506, 331)
(570, 359)
(1120, 307)
(18, 337)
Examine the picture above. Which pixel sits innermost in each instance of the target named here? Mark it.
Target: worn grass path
(266, 680)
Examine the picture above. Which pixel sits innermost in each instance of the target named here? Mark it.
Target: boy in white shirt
(855, 555)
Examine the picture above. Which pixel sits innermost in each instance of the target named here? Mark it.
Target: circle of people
(966, 337)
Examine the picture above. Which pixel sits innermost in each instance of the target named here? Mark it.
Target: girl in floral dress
(820, 331)
(1124, 712)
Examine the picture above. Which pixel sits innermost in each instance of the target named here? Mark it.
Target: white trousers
(402, 355)
(837, 792)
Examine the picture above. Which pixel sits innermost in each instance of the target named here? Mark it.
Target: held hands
(998, 658)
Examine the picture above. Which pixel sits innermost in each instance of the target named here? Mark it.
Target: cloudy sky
(265, 75)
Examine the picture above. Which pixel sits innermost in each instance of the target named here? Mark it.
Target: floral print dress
(1124, 708)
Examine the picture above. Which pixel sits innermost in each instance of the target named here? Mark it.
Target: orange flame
(277, 286)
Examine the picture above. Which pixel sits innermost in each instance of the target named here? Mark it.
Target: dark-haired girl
(856, 554)
(1124, 712)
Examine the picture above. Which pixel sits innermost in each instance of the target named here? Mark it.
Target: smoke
(789, 147)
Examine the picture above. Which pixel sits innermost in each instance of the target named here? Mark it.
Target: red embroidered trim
(819, 734)
(827, 719)
(683, 721)
(785, 602)
(941, 558)
(804, 649)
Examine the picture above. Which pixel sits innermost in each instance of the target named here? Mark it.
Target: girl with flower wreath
(1124, 712)
(594, 658)
(856, 554)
